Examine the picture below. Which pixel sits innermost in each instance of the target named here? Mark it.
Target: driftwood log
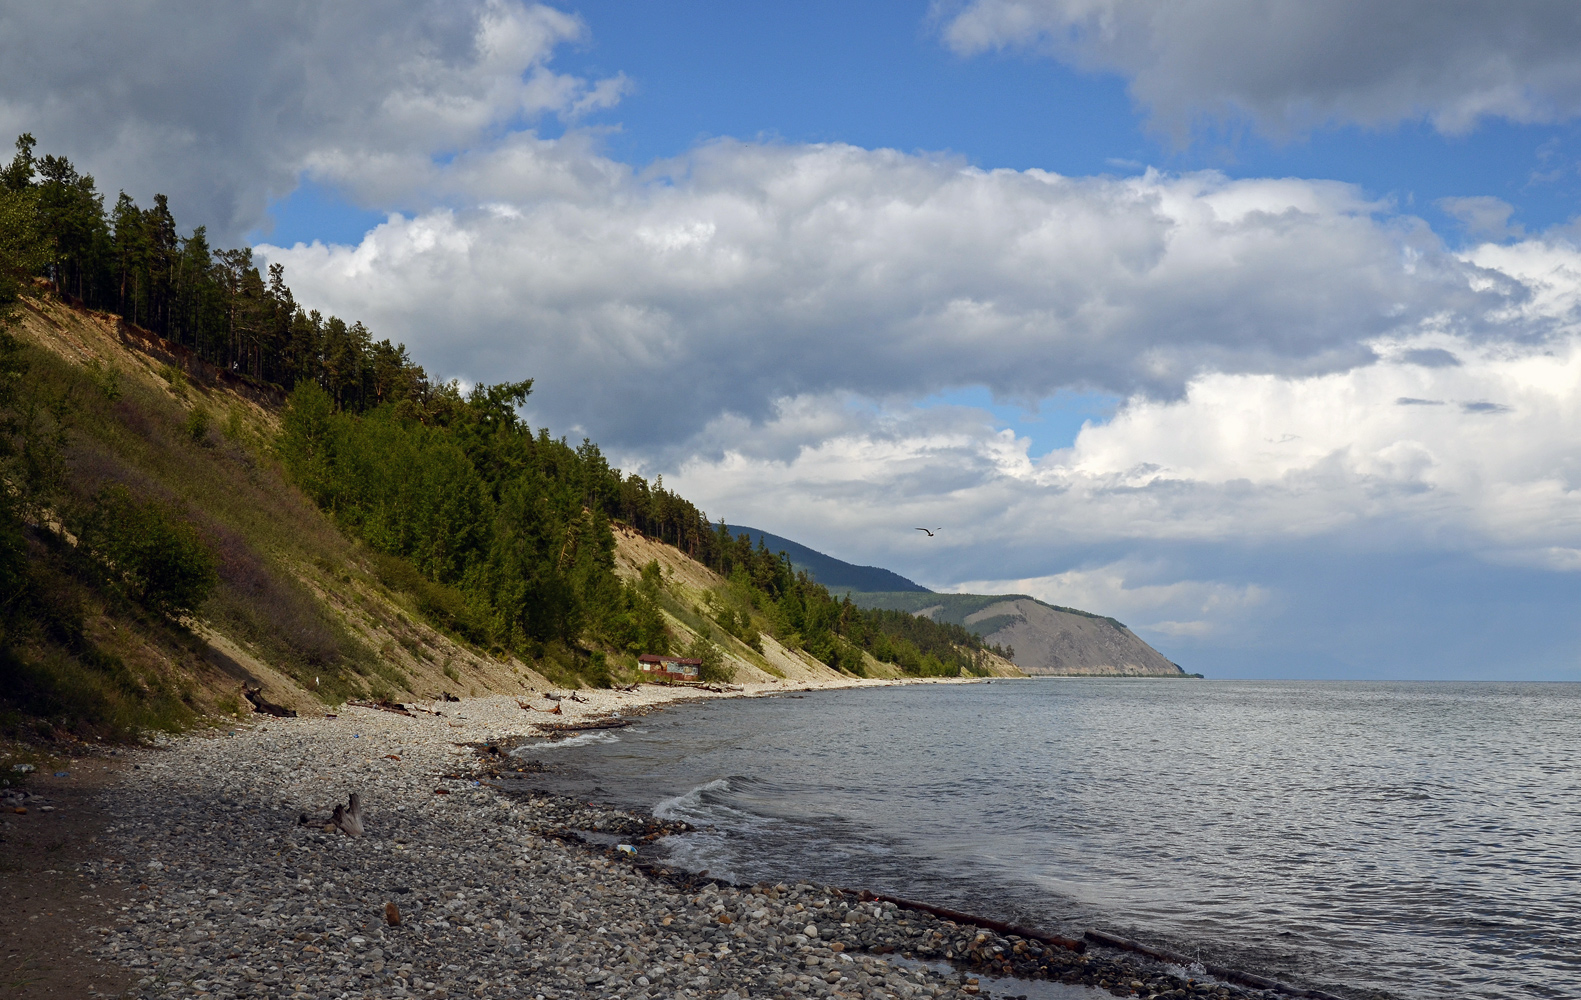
(578, 727)
(384, 705)
(260, 704)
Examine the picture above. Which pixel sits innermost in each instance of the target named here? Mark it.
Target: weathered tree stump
(349, 817)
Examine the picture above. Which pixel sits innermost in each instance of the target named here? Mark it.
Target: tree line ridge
(500, 535)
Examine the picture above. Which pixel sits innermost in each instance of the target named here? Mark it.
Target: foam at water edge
(528, 749)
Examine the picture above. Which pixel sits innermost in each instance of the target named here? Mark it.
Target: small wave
(528, 749)
(706, 805)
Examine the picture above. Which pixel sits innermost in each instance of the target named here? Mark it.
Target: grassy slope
(303, 611)
(686, 583)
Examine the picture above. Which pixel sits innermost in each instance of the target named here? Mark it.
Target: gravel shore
(459, 889)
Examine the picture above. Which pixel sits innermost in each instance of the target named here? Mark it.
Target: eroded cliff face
(1048, 641)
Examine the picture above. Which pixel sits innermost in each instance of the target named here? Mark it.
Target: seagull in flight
(930, 534)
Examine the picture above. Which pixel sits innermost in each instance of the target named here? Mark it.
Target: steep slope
(685, 589)
(1047, 640)
(836, 574)
(1050, 641)
(301, 611)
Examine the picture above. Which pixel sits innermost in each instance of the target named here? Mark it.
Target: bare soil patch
(48, 908)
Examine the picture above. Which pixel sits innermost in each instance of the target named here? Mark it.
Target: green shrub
(176, 377)
(154, 553)
(106, 378)
(197, 425)
(713, 669)
(443, 606)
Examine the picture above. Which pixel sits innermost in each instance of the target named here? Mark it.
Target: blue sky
(1256, 325)
(877, 75)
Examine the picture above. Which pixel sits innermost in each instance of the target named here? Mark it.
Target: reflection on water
(1415, 838)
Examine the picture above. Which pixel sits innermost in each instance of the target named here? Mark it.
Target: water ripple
(1418, 839)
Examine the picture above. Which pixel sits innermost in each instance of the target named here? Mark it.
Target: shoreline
(226, 894)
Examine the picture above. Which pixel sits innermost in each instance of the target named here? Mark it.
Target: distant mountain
(1047, 639)
(836, 574)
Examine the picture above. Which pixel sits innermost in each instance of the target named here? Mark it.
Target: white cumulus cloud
(748, 273)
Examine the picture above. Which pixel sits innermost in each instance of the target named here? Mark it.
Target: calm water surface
(1418, 839)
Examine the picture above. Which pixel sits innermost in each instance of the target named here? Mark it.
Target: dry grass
(300, 610)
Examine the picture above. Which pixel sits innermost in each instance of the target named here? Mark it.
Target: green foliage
(514, 527)
(23, 250)
(503, 535)
(175, 377)
(730, 607)
(596, 670)
(106, 378)
(32, 427)
(197, 425)
(713, 669)
(631, 621)
(476, 504)
(150, 550)
(54, 677)
(84, 695)
(443, 605)
(212, 302)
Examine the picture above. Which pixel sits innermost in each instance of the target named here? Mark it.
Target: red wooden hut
(670, 668)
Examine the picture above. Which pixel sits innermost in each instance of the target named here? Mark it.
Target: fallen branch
(384, 705)
(547, 711)
(347, 818)
(260, 704)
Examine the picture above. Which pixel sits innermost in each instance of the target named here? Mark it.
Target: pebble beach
(235, 884)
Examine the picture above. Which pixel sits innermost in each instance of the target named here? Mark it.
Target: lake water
(1423, 840)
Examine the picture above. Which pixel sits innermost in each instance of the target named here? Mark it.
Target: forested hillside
(207, 481)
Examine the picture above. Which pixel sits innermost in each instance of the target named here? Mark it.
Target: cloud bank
(1290, 65)
(749, 273)
(229, 105)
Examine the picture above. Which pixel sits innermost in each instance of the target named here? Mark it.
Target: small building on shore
(669, 668)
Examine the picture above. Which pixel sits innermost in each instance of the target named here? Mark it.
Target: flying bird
(930, 534)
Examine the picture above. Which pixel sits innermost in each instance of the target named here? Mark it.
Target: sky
(1253, 325)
